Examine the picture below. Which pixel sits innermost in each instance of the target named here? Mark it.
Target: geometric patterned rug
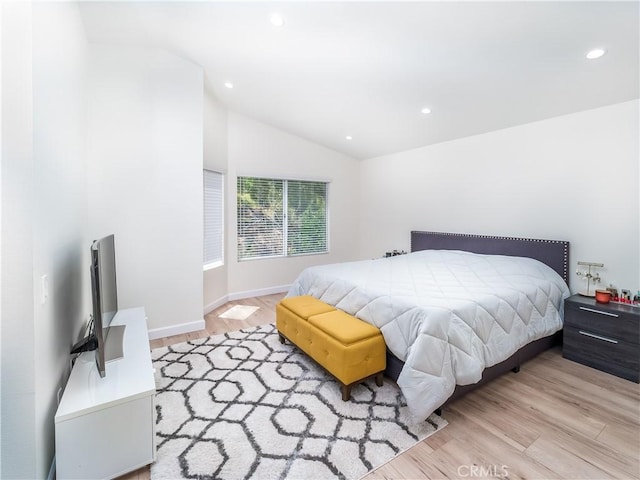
(242, 405)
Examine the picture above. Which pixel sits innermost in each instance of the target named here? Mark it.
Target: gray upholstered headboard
(554, 253)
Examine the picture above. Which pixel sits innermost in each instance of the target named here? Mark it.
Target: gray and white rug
(241, 405)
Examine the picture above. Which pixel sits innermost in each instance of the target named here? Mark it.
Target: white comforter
(447, 314)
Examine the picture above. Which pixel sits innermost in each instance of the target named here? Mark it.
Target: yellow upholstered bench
(348, 348)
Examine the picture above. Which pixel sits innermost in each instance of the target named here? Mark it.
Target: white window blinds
(260, 217)
(213, 219)
(306, 217)
(281, 217)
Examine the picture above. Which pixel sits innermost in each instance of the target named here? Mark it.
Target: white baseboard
(200, 324)
(259, 292)
(246, 294)
(176, 329)
(213, 305)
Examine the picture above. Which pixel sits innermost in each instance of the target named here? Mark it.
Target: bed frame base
(513, 363)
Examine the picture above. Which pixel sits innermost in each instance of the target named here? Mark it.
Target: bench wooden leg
(346, 392)
(379, 379)
(281, 338)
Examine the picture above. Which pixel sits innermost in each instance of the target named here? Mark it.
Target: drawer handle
(593, 335)
(599, 311)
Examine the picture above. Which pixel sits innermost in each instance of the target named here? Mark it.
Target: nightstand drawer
(605, 321)
(607, 353)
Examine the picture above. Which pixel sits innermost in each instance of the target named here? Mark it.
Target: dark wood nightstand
(603, 336)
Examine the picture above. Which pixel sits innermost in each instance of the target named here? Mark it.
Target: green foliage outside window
(264, 230)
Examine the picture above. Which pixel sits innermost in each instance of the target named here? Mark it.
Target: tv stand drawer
(105, 427)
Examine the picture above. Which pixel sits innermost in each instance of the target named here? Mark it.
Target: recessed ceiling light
(228, 84)
(349, 137)
(276, 20)
(596, 53)
(426, 110)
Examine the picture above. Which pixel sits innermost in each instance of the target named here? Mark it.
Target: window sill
(271, 257)
(211, 266)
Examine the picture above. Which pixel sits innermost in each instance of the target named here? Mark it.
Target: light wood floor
(553, 419)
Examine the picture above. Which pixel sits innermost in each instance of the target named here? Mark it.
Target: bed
(456, 312)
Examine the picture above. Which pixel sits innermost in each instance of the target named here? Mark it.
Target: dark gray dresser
(603, 336)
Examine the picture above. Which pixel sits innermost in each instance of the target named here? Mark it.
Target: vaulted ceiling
(365, 70)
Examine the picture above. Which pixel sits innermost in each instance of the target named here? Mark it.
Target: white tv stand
(105, 427)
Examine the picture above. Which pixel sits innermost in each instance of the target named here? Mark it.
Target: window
(278, 218)
(213, 219)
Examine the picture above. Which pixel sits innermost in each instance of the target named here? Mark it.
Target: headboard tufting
(554, 253)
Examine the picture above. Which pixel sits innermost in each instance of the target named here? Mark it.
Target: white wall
(0, 240)
(256, 149)
(215, 134)
(571, 178)
(215, 287)
(60, 215)
(145, 178)
(43, 223)
(18, 354)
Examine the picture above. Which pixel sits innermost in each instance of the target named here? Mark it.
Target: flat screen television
(104, 338)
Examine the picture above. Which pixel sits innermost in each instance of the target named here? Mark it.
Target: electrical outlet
(44, 289)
